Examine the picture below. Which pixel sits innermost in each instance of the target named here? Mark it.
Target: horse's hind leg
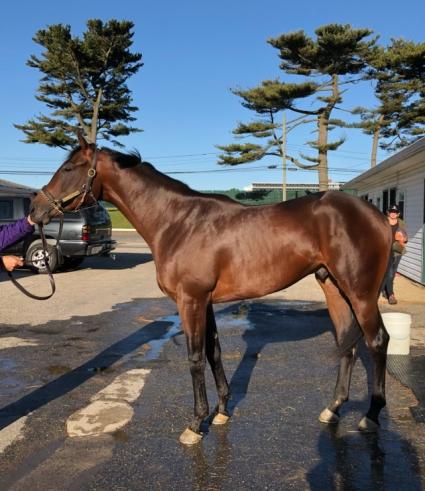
(377, 339)
(213, 352)
(347, 334)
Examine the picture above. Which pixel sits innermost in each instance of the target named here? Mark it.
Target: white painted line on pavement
(109, 409)
(12, 433)
(14, 342)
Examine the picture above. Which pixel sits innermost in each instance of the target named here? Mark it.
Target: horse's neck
(146, 205)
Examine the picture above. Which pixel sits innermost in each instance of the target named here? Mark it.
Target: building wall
(412, 262)
(411, 184)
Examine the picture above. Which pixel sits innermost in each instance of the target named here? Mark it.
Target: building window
(393, 196)
(401, 203)
(385, 200)
(6, 209)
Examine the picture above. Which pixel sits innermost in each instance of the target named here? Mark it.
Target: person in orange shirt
(398, 249)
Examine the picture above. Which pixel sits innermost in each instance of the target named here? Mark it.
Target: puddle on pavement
(121, 436)
(157, 344)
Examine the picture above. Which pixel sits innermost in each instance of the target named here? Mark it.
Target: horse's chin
(42, 219)
(46, 219)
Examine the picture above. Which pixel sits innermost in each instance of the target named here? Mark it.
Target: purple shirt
(13, 232)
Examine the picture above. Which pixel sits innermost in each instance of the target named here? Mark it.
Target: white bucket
(398, 327)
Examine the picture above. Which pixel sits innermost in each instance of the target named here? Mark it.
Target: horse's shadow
(364, 461)
(76, 377)
(270, 322)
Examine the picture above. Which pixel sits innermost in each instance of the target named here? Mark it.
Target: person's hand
(29, 220)
(12, 262)
(401, 237)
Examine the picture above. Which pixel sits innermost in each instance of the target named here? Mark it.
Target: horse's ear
(81, 140)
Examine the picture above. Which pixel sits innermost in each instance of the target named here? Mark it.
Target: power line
(42, 160)
(199, 171)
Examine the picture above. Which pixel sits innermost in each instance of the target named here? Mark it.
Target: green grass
(118, 219)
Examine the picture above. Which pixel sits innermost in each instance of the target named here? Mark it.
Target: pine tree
(399, 118)
(84, 83)
(335, 58)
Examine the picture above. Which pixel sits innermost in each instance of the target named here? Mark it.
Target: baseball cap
(393, 208)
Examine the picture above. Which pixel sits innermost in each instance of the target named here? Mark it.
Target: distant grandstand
(263, 193)
(292, 187)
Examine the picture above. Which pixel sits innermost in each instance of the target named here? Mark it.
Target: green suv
(87, 232)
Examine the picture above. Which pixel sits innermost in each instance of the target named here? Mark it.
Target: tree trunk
(376, 133)
(95, 118)
(323, 128)
(323, 153)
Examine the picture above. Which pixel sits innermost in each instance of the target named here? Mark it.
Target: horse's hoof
(189, 437)
(328, 417)
(368, 426)
(220, 419)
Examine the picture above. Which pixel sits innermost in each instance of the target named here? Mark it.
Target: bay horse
(209, 249)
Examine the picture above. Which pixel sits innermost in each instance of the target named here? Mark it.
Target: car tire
(35, 257)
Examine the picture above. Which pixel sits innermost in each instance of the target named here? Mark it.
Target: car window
(95, 214)
(6, 209)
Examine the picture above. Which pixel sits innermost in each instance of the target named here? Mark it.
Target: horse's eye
(68, 168)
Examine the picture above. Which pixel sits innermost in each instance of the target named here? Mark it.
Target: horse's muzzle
(41, 213)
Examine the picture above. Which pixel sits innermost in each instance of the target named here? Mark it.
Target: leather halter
(60, 204)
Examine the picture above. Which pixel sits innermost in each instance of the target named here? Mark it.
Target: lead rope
(46, 260)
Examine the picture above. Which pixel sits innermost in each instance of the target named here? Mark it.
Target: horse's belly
(253, 281)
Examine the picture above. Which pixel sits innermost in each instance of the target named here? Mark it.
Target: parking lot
(107, 349)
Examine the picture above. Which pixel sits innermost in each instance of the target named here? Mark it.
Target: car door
(7, 216)
(13, 208)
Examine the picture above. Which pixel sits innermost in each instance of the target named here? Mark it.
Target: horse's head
(72, 185)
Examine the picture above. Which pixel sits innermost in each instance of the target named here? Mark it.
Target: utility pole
(283, 150)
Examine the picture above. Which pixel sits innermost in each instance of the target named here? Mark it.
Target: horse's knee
(197, 366)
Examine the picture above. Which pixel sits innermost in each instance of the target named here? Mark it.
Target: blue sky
(194, 52)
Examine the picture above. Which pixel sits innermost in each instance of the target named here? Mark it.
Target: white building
(400, 180)
(291, 186)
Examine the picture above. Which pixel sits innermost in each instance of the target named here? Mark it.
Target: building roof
(9, 187)
(398, 159)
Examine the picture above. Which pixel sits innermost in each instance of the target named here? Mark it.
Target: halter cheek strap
(60, 204)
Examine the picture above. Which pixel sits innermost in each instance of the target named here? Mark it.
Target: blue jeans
(390, 274)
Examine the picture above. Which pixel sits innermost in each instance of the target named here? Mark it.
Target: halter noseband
(60, 204)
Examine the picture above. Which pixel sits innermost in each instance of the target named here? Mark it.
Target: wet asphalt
(281, 362)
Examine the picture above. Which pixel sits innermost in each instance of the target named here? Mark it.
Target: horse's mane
(134, 159)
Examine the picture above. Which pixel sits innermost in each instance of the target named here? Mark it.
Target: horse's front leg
(193, 318)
